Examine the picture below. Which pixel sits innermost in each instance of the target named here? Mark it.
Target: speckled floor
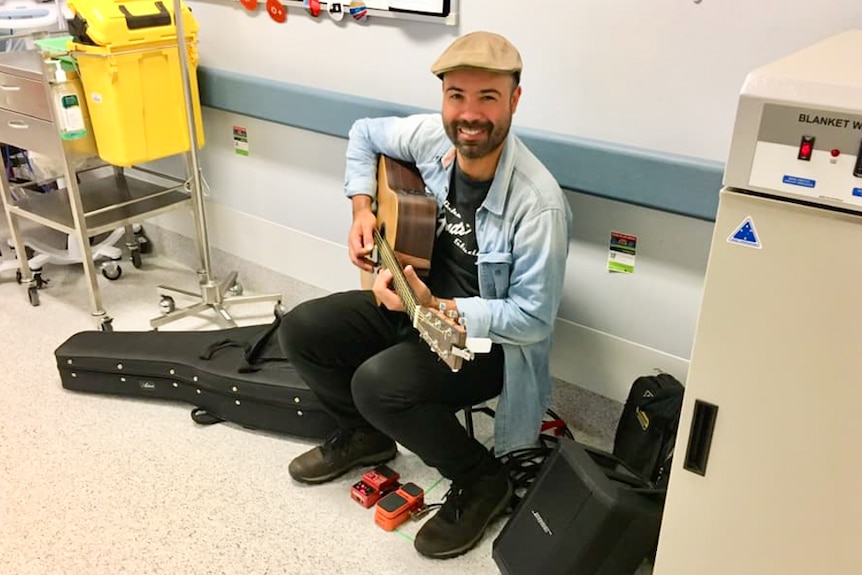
(98, 485)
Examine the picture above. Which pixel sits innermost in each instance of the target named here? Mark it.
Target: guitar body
(406, 216)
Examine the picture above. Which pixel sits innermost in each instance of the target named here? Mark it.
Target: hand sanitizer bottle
(70, 117)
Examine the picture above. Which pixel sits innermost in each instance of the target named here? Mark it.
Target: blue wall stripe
(666, 182)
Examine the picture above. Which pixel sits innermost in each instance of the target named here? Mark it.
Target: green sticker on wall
(623, 249)
(240, 140)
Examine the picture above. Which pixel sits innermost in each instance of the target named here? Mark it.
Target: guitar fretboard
(399, 280)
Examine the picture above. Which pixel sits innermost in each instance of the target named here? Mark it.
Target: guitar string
(403, 288)
(401, 285)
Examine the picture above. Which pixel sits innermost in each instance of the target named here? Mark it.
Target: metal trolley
(82, 203)
(101, 199)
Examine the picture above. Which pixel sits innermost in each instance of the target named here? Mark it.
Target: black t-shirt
(453, 262)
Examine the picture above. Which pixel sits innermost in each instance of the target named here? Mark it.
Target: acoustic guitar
(404, 235)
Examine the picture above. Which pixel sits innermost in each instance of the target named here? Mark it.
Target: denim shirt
(522, 232)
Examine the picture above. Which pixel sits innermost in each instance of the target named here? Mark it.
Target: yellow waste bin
(128, 57)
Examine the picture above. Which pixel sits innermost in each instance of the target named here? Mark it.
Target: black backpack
(646, 432)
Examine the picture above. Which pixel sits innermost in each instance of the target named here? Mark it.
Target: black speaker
(585, 514)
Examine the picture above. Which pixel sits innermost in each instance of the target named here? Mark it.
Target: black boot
(467, 511)
(342, 451)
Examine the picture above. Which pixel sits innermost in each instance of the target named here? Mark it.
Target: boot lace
(453, 504)
(337, 441)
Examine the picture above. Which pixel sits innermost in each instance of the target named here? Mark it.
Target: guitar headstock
(445, 337)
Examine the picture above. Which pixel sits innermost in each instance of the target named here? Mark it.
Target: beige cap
(484, 50)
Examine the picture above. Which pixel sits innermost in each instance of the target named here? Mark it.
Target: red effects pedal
(374, 485)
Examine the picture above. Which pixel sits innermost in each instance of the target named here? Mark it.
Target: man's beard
(493, 137)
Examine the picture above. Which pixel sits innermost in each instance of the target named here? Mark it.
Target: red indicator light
(835, 153)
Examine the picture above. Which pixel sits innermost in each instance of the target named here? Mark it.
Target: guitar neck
(399, 280)
(406, 224)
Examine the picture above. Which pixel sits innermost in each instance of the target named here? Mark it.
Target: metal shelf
(108, 202)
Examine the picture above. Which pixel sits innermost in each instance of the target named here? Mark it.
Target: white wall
(660, 74)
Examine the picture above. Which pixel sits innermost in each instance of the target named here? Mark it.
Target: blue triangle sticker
(745, 234)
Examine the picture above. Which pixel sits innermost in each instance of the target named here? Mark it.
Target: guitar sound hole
(383, 230)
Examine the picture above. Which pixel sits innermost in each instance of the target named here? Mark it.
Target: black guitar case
(238, 375)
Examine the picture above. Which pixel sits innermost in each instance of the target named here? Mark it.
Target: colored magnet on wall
(358, 10)
(312, 6)
(276, 11)
(336, 11)
(250, 5)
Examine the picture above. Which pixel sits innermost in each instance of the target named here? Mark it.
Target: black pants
(368, 367)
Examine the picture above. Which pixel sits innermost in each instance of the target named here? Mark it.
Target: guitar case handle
(203, 417)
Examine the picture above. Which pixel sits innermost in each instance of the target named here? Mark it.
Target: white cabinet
(778, 350)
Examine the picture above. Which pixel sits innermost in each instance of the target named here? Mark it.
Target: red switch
(805, 148)
(835, 153)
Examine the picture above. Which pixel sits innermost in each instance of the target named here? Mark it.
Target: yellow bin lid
(114, 23)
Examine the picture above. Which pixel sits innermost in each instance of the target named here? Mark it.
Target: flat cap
(483, 50)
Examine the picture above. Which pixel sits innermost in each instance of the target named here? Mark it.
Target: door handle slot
(700, 437)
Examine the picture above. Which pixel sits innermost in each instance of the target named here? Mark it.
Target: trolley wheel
(167, 304)
(136, 258)
(37, 277)
(40, 281)
(280, 311)
(107, 324)
(235, 289)
(112, 270)
(143, 241)
(33, 295)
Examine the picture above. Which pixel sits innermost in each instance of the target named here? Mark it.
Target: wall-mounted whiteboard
(433, 7)
(436, 11)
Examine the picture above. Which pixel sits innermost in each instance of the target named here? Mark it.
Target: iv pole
(213, 293)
